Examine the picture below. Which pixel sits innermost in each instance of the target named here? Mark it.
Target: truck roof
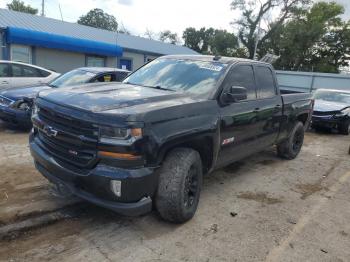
(222, 59)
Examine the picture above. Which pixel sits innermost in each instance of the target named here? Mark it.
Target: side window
(44, 73)
(95, 61)
(31, 72)
(265, 82)
(24, 71)
(106, 78)
(4, 70)
(17, 70)
(120, 76)
(21, 53)
(242, 75)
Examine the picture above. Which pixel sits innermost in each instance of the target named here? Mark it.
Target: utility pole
(60, 11)
(42, 7)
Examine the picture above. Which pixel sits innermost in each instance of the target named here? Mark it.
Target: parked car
(16, 103)
(15, 74)
(332, 110)
(151, 138)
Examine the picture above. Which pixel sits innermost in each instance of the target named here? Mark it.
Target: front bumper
(14, 116)
(138, 185)
(326, 121)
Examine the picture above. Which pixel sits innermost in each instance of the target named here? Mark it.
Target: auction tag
(211, 67)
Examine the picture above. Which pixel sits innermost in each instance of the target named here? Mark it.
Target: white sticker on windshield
(90, 74)
(215, 68)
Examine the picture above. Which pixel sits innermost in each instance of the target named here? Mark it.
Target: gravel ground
(259, 209)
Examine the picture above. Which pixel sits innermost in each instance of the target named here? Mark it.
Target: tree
(314, 39)
(150, 34)
(17, 5)
(168, 37)
(99, 19)
(223, 43)
(211, 41)
(253, 12)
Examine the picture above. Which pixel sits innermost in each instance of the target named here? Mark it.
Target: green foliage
(314, 39)
(211, 41)
(168, 37)
(17, 5)
(99, 19)
(253, 12)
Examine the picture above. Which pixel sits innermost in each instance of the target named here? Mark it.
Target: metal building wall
(309, 81)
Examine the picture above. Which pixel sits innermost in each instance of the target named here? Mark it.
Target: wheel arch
(203, 144)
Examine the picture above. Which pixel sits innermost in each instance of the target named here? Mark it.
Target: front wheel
(180, 183)
(290, 148)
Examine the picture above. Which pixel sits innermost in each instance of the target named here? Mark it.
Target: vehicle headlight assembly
(343, 112)
(116, 135)
(24, 106)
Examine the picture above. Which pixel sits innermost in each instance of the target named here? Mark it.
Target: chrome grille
(73, 141)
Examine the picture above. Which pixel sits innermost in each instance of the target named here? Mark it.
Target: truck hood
(109, 97)
(328, 106)
(24, 92)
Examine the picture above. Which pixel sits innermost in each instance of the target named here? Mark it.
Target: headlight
(23, 106)
(343, 112)
(115, 135)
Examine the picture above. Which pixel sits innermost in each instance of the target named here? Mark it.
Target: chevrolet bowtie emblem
(50, 131)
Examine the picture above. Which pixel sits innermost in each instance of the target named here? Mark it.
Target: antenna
(42, 7)
(59, 6)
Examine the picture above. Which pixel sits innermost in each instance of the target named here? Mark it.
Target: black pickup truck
(150, 139)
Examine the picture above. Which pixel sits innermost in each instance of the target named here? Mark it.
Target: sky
(141, 15)
(138, 16)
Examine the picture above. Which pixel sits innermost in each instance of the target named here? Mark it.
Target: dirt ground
(260, 209)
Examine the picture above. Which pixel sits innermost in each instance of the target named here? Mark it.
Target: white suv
(15, 74)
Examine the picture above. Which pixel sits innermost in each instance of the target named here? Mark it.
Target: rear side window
(31, 72)
(26, 71)
(44, 73)
(242, 75)
(105, 78)
(120, 76)
(17, 71)
(265, 82)
(4, 70)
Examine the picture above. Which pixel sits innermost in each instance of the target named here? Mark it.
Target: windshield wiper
(161, 88)
(155, 87)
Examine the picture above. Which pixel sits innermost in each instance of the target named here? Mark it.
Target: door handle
(4, 82)
(257, 109)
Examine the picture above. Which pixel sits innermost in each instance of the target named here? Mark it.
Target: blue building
(62, 46)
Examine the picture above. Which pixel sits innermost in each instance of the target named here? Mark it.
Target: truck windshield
(333, 96)
(197, 77)
(74, 77)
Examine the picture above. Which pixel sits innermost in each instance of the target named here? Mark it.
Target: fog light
(116, 187)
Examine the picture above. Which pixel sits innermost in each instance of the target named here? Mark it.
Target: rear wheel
(180, 183)
(290, 148)
(344, 128)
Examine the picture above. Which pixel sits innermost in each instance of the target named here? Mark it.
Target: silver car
(15, 74)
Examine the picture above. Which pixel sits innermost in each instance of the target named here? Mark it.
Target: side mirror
(235, 94)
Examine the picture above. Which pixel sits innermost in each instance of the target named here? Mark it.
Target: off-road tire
(290, 148)
(344, 128)
(174, 200)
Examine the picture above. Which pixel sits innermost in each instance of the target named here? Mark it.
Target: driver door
(238, 125)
